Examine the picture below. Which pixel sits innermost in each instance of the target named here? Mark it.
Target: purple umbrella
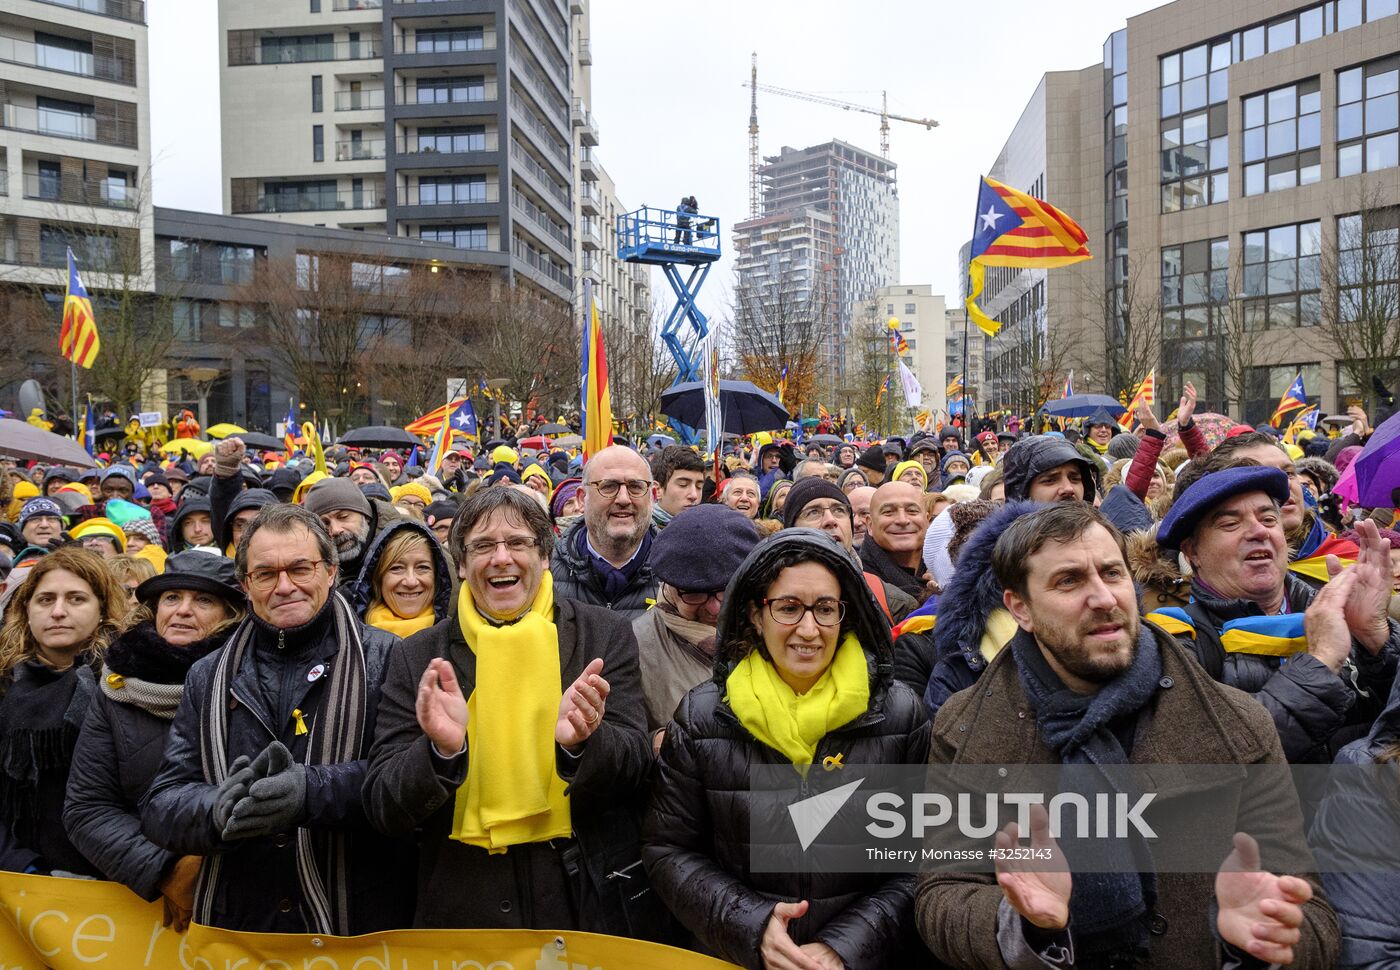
(1378, 466)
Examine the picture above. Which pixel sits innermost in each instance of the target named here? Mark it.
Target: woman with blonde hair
(131, 572)
(405, 583)
(184, 614)
(57, 627)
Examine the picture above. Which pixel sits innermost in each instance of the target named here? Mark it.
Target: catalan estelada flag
(1069, 385)
(432, 421)
(1293, 399)
(901, 346)
(884, 388)
(289, 429)
(955, 387)
(597, 396)
(782, 385)
(822, 413)
(442, 440)
(1014, 229)
(87, 432)
(78, 339)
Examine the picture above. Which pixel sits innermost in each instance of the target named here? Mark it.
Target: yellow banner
(75, 924)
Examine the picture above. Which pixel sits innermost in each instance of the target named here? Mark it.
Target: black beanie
(806, 491)
(872, 458)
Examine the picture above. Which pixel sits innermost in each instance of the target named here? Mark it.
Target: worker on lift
(687, 208)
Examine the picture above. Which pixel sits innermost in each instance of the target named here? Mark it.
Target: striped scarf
(336, 736)
(1280, 635)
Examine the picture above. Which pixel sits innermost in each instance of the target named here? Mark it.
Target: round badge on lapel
(314, 674)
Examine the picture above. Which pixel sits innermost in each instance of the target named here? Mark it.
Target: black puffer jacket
(119, 751)
(695, 837)
(361, 593)
(574, 578)
(1315, 710)
(259, 890)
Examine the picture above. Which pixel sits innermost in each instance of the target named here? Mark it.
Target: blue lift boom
(684, 245)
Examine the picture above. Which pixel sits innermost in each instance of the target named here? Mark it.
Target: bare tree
(1360, 319)
(1129, 324)
(778, 324)
(870, 362)
(532, 341)
(1239, 334)
(640, 368)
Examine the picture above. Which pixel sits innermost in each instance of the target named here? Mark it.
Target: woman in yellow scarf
(802, 679)
(405, 584)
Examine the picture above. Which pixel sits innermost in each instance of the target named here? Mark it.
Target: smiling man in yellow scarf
(513, 737)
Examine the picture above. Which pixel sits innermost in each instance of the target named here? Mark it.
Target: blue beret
(1209, 491)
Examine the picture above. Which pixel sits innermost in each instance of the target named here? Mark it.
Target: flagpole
(74, 366)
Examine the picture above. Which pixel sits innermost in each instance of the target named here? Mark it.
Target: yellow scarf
(513, 794)
(793, 723)
(381, 617)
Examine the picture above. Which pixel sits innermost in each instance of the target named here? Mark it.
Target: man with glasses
(692, 558)
(815, 503)
(511, 741)
(266, 757)
(602, 560)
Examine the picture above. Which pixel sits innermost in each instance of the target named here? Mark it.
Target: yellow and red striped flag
(429, 423)
(1146, 393)
(597, 395)
(1015, 229)
(78, 339)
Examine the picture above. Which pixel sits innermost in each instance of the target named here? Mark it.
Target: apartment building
(923, 322)
(75, 142)
(829, 233)
(447, 121)
(1237, 162)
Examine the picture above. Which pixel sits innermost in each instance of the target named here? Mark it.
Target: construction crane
(754, 87)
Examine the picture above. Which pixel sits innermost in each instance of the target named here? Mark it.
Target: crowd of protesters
(522, 690)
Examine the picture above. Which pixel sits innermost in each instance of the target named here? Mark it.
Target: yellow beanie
(414, 489)
(305, 486)
(904, 466)
(533, 470)
(81, 489)
(152, 553)
(100, 526)
(504, 454)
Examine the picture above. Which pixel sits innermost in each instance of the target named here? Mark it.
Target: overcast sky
(673, 117)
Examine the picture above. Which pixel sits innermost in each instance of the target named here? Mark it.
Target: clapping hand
(441, 708)
(581, 708)
(1187, 408)
(1368, 598)
(1260, 912)
(1041, 897)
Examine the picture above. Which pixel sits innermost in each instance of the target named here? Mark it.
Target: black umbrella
(553, 429)
(378, 436)
(824, 439)
(745, 408)
(20, 439)
(262, 442)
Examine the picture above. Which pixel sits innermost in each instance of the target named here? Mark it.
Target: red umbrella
(537, 442)
(1213, 426)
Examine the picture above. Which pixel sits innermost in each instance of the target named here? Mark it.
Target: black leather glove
(276, 801)
(235, 786)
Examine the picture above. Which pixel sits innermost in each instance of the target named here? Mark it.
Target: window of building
(889, 309)
(316, 97)
(63, 53)
(67, 119)
(318, 143)
(1195, 144)
(1368, 266)
(1195, 284)
(315, 6)
(236, 264)
(463, 237)
(296, 48)
(184, 257)
(910, 309)
(1283, 277)
(308, 271)
(299, 196)
(1282, 135)
(447, 90)
(186, 319)
(237, 316)
(1267, 385)
(50, 181)
(451, 189)
(449, 39)
(454, 140)
(1368, 117)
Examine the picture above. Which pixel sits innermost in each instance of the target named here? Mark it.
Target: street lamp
(495, 385)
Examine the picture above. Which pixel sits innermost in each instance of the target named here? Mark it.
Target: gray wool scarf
(161, 700)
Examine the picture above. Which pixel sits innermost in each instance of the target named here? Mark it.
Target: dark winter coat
(259, 890)
(878, 561)
(410, 791)
(575, 579)
(972, 594)
(1315, 710)
(360, 594)
(1191, 720)
(696, 835)
(1357, 834)
(119, 751)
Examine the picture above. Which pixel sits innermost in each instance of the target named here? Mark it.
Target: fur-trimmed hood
(1161, 582)
(973, 592)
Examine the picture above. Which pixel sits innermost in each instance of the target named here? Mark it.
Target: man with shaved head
(893, 546)
(602, 558)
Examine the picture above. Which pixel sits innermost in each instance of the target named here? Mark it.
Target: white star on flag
(460, 421)
(990, 218)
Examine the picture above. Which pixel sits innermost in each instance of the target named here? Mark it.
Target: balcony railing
(359, 151)
(409, 96)
(367, 48)
(548, 138)
(540, 218)
(462, 193)
(542, 263)
(526, 161)
(68, 62)
(543, 88)
(133, 10)
(368, 99)
(48, 121)
(424, 142)
(76, 191)
(339, 5)
(370, 198)
(405, 44)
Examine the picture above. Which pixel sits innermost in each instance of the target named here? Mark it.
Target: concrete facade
(75, 142)
(1211, 157)
(923, 320)
(448, 121)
